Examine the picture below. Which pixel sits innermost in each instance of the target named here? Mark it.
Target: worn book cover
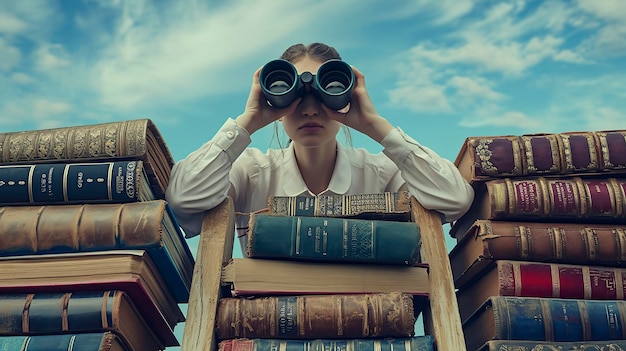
(69, 183)
(542, 154)
(316, 316)
(386, 206)
(131, 139)
(563, 199)
(79, 312)
(545, 319)
(146, 225)
(417, 343)
(254, 277)
(129, 270)
(331, 239)
(571, 243)
(539, 279)
(524, 345)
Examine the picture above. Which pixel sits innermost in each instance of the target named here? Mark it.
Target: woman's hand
(258, 113)
(362, 114)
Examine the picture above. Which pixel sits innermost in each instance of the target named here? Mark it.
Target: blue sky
(441, 70)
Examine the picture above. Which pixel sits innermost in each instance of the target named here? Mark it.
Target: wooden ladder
(440, 316)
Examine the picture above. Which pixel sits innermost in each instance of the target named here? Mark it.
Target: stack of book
(91, 257)
(330, 272)
(540, 258)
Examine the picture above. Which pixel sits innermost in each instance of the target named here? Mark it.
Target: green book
(417, 343)
(104, 341)
(333, 239)
(525, 345)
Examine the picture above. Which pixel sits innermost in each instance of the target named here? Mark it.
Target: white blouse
(202, 180)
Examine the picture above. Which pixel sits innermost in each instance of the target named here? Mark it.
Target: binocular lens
(333, 83)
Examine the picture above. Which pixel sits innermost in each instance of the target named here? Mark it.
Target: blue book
(545, 319)
(105, 341)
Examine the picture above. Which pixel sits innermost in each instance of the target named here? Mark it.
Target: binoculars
(332, 84)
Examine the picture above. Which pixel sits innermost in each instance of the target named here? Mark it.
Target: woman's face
(309, 125)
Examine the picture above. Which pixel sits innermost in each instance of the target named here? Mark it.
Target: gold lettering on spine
(586, 274)
(556, 282)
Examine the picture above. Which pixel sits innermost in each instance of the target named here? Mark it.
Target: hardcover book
(103, 341)
(133, 139)
(489, 157)
(131, 271)
(78, 312)
(417, 343)
(67, 183)
(538, 279)
(146, 225)
(565, 199)
(247, 277)
(387, 206)
(524, 345)
(572, 243)
(316, 316)
(545, 319)
(333, 239)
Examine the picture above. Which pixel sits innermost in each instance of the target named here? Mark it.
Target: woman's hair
(321, 52)
(318, 51)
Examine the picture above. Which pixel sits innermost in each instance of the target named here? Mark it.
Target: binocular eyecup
(332, 84)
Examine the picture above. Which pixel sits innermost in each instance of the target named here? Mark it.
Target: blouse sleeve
(434, 181)
(201, 180)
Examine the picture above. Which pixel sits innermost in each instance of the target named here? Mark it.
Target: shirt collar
(339, 182)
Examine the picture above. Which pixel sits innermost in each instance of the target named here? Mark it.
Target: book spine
(316, 316)
(77, 228)
(562, 198)
(49, 313)
(546, 319)
(522, 345)
(333, 239)
(341, 205)
(557, 242)
(60, 342)
(70, 183)
(613, 149)
(418, 343)
(536, 279)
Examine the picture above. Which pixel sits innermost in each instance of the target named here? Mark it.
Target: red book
(539, 279)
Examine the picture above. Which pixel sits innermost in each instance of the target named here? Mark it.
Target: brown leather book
(574, 153)
(316, 316)
(560, 199)
(541, 279)
(78, 312)
(572, 243)
(132, 139)
(129, 270)
(148, 225)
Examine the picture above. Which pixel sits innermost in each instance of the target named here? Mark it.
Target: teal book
(545, 319)
(333, 239)
(148, 225)
(67, 183)
(417, 343)
(526, 345)
(105, 341)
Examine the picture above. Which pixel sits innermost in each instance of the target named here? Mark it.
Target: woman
(314, 162)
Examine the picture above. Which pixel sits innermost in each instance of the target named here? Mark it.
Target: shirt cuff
(232, 138)
(398, 146)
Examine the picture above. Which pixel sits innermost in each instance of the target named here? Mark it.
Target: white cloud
(9, 23)
(420, 98)
(10, 56)
(50, 57)
(515, 119)
(612, 10)
(478, 88)
(21, 78)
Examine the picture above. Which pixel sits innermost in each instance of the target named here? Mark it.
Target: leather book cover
(131, 139)
(148, 225)
(545, 319)
(416, 343)
(103, 341)
(316, 316)
(525, 345)
(333, 239)
(540, 279)
(569, 243)
(78, 312)
(612, 146)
